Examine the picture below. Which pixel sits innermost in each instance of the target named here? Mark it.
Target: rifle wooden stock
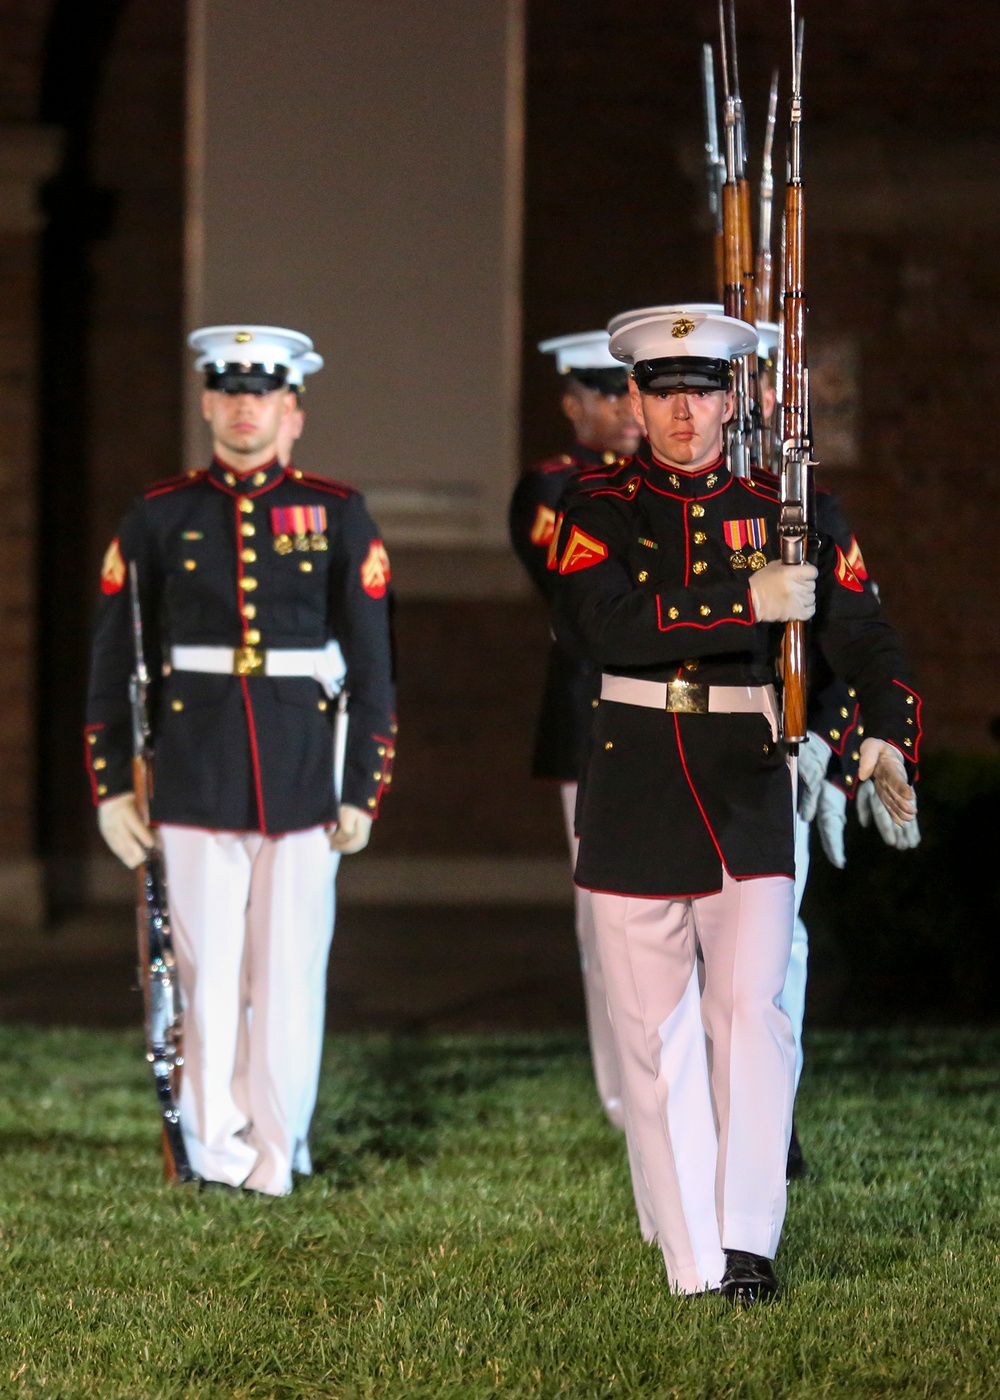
(746, 252)
(793, 667)
(732, 260)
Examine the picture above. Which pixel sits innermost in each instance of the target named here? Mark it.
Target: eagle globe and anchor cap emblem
(682, 328)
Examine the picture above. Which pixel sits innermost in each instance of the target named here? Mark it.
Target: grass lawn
(471, 1233)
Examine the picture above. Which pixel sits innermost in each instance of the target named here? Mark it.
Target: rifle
(715, 165)
(157, 971)
(796, 446)
(744, 446)
(764, 262)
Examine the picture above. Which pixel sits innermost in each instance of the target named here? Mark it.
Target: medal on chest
(742, 533)
(301, 528)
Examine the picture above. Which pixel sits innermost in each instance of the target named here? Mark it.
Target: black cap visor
(610, 382)
(245, 379)
(680, 373)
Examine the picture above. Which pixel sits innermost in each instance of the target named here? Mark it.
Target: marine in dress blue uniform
(668, 578)
(596, 403)
(264, 592)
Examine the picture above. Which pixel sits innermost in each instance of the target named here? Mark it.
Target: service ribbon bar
(298, 520)
(741, 532)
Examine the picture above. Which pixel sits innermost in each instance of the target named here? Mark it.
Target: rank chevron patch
(113, 569)
(544, 527)
(855, 560)
(845, 573)
(581, 551)
(552, 558)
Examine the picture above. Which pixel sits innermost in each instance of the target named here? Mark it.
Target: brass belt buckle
(247, 661)
(687, 698)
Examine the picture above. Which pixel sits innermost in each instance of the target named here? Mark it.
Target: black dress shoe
(795, 1167)
(749, 1279)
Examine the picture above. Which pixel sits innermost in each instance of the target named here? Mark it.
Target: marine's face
(604, 422)
(246, 424)
(289, 432)
(684, 427)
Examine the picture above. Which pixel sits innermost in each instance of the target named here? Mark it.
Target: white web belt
(322, 664)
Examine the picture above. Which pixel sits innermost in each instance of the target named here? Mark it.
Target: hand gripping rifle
(744, 449)
(715, 166)
(796, 446)
(157, 972)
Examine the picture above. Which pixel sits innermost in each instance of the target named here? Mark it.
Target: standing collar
(593, 457)
(247, 484)
(686, 486)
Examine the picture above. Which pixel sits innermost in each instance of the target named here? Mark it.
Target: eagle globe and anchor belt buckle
(247, 661)
(687, 698)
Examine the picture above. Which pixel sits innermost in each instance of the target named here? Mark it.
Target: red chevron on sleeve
(581, 551)
(544, 527)
(845, 574)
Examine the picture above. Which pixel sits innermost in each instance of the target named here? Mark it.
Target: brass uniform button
(392, 753)
(177, 706)
(229, 479)
(609, 745)
(321, 705)
(907, 743)
(306, 566)
(91, 738)
(608, 458)
(251, 636)
(699, 566)
(248, 584)
(861, 729)
(852, 692)
(377, 776)
(697, 511)
(692, 665)
(394, 728)
(247, 529)
(737, 607)
(844, 712)
(848, 780)
(700, 537)
(250, 610)
(705, 610)
(594, 704)
(245, 505)
(767, 748)
(909, 719)
(190, 565)
(381, 751)
(834, 733)
(643, 576)
(855, 755)
(100, 763)
(372, 802)
(259, 478)
(672, 613)
(249, 556)
(102, 790)
(297, 474)
(909, 698)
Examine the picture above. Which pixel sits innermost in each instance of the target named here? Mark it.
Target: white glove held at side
(871, 809)
(352, 831)
(123, 829)
(831, 819)
(884, 765)
(784, 592)
(814, 759)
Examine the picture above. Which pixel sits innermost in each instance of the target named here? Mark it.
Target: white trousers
(709, 1117)
(793, 995)
(252, 920)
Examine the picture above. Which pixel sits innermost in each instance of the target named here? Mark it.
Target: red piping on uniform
(699, 626)
(91, 729)
(918, 731)
(769, 496)
(708, 824)
(173, 483)
(254, 756)
(321, 483)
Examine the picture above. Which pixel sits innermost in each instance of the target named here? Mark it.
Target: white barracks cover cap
(247, 345)
(673, 332)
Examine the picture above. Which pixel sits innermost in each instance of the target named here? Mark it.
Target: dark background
(903, 137)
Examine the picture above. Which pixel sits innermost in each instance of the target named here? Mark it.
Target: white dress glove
(352, 831)
(784, 592)
(871, 809)
(884, 765)
(814, 760)
(124, 830)
(831, 820)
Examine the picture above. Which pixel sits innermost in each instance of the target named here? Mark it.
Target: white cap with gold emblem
(767, 331)
(669, 347)
(248, 358)
(586, 358)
